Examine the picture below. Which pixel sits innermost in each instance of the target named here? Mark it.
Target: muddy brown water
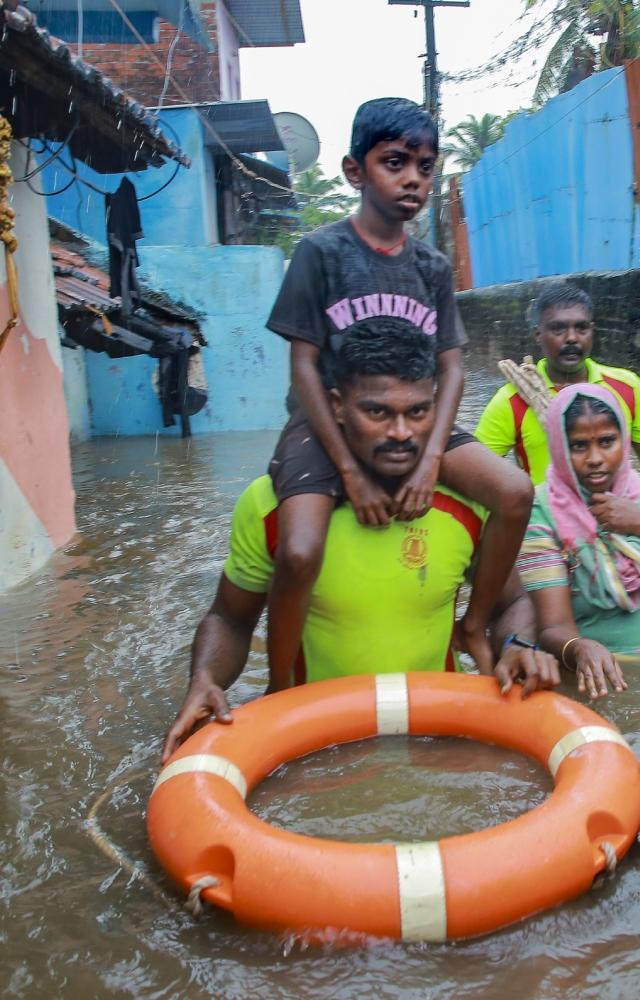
(95, 651)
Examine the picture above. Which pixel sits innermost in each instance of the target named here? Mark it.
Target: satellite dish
(300, 140)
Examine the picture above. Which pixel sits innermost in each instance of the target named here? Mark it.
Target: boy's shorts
(301, 465)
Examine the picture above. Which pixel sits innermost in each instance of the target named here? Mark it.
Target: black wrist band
(515, 640)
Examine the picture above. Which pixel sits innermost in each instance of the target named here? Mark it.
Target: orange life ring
(209, 842)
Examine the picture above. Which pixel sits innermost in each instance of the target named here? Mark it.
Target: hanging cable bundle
(7, 235)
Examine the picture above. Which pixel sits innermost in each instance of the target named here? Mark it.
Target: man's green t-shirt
(384, 600)
(509, 422)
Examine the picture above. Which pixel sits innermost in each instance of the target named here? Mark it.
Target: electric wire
(172, 48)
(567, 114)
(45, 147)
(205, 121)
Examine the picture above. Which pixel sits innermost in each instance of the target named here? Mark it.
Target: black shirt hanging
(123, 229)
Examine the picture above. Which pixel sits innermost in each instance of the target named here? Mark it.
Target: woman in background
(580, 559)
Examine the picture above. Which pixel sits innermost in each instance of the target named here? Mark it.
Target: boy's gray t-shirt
(335, 280)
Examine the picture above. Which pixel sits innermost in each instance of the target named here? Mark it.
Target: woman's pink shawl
(574, 523)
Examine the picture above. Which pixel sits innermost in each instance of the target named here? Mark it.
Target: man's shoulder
(503, 395)
(625, 375)
(257, 500)
(466, 512)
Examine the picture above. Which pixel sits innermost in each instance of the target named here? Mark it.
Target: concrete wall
(246, 365)
(36, 492)
(556, 194)
(496, 317)
(193, 68)
(234, 288)
(76, 394)
(228, 57)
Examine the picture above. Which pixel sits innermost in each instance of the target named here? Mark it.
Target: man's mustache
(408, 446)
(570, 349)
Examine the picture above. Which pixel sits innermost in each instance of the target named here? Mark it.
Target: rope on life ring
(7, 235)
(106, 845)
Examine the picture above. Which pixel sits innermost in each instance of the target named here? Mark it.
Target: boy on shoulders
(357, 270)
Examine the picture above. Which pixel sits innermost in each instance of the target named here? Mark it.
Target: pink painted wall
(36, 489)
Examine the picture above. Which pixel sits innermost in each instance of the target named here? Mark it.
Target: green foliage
(469, 139)
(585, 36)
(320, 199)
(594, 35)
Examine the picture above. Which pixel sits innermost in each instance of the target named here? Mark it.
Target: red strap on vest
(624, 391)
(519, 409)
(271, 531)
(467, 517)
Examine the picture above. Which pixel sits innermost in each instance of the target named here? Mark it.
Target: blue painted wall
(246, 366)
(233, 287)
(555, 195)
(183, 214)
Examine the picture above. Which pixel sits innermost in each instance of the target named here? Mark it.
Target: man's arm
(515, 614)
(218, 655)
(506, 492)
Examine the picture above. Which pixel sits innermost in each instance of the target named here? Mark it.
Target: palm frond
(561, 52)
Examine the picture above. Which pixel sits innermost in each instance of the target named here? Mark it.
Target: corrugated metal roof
(46, 90)
(243, 126)
(555, 194)
(267, 22)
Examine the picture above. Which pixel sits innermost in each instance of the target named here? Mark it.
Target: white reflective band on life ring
(578, 738)
(423, 904)
(210, 763)
(392, 704)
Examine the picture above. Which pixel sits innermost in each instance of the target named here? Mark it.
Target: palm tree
(319, 199)
(325, 193)
(471, 137)
(575, 53)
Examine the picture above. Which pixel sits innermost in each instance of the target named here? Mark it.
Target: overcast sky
(360, 49)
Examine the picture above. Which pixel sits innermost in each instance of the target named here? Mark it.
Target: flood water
(95, 654)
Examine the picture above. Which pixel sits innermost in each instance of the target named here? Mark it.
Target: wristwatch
(515, 640)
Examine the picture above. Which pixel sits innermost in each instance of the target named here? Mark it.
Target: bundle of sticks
(530, 384)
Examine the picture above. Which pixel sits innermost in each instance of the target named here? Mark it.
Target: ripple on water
(96, 650)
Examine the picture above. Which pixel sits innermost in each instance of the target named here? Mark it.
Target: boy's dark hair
(389, 118)
(384, 347)
(559, 293)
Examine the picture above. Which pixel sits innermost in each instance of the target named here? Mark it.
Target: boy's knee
(300, 559)
(516, 494)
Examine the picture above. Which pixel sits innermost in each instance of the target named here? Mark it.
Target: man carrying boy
(354, 271)
(384, 601)
(563, 328)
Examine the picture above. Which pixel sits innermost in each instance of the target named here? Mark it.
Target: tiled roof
(81, 285)
(46, 90)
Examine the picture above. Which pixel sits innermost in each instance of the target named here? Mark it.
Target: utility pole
(431, 91)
